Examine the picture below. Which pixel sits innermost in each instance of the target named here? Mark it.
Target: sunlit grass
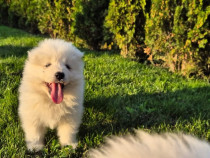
(120, 95)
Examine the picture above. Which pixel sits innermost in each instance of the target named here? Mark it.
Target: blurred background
(169, 33)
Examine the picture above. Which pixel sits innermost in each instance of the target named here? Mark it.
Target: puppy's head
(56, 64)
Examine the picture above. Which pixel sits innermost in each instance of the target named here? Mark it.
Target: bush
(7, 17)
(3, 12)
(89, 20)
(22, 14)
(126, 21)
(177, 34)
(55, 18)
(72, 20)
(174, 34)
(52, 17)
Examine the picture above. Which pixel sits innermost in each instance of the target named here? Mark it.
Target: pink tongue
(56, 93)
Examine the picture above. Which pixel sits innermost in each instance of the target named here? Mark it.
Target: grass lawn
(120, 96)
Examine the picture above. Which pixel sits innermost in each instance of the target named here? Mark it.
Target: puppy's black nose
(59, 75)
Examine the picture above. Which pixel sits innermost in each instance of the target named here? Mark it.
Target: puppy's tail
(145, 145)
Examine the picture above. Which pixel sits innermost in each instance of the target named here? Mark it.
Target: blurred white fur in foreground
(145, 145)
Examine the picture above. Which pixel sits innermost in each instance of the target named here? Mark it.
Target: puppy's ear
(34, 56)
(80, 54)
(77, 53)
(29, 54)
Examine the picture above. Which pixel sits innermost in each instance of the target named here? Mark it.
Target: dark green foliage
(177, 32)
(55, 18)
(20, 13)
(126, 21)
(6, 16)
(3, 12)
(88, 22)
(51, 17)
(78, 21)
(173, 33)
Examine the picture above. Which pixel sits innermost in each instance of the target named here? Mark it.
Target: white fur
(36, 109)
(145, 145)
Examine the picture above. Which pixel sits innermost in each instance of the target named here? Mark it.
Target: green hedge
(126, 20)
(89, 20)
(177, 33)
(172, 33)
(50, 17)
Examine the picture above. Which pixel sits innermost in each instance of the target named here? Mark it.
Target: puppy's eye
(47, 65)
(68, 67)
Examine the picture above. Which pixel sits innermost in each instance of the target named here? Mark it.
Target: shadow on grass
(99, 53)
(121, 113)
(7, 32)
(15, 51)
(18, 51)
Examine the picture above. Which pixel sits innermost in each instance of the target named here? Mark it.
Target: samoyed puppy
(145, 145)
(51, 93)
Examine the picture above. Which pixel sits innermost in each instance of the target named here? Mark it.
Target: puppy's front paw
(34, 146)
(74, 145)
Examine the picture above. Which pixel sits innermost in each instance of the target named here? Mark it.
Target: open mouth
(56, 91)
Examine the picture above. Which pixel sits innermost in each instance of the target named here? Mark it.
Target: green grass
(120, 95)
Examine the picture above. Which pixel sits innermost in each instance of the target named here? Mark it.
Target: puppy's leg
(68, 128)
(34, 135)
(67, 134)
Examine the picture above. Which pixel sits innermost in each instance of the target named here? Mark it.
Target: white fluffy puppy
(144, 145)
(51, 93)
